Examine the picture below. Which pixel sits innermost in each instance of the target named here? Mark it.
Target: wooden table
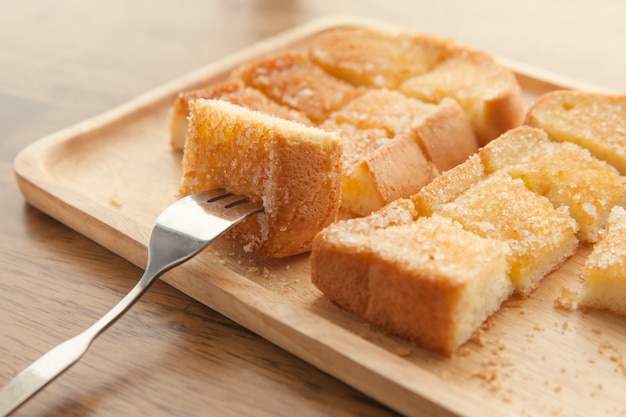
(62, 62)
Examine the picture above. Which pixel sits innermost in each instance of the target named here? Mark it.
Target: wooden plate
(110, 176)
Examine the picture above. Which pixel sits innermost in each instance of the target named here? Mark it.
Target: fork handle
(60, 358)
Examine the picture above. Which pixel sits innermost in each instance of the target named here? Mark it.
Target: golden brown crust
(396, 170)
(294, 169)
(446, 135)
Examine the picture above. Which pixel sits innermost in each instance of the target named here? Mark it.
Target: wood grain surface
(62, 63)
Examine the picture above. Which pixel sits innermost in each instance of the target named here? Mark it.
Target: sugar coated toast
(426, 280)
(541, 236)
(492, 99)
(457, 206)
(395, 145)
(376, 58)
(294, 169)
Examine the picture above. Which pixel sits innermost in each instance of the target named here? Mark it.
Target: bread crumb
(479, 337)
(403, 351)
(489, 376)
(489, 323)
(604, 345)
(567, 300)
(115, 200)
(445, 374)
(615, 355)
(464, 352)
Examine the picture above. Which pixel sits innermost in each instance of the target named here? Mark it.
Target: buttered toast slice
(593, 120)
(294, 169)
(427, 280)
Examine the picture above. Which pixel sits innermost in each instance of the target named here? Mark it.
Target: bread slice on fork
(295, 170)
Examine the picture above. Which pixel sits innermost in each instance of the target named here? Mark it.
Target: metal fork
(180, 232)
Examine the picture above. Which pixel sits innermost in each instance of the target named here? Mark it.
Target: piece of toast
(541, 237)
(487, 90)
(593, 120)
(427, 280)
(378, 169)
(604, 272)
(395, 145)
(295, 170)
(375, 58)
